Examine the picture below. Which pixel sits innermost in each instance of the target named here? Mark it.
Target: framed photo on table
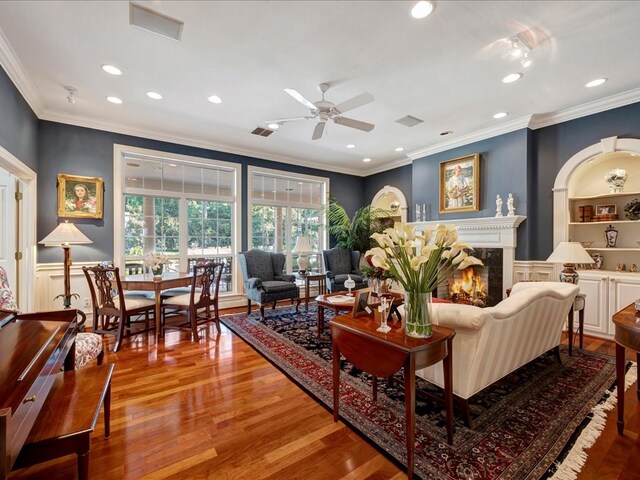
(459, 184)
(360, 305)
(80, 197)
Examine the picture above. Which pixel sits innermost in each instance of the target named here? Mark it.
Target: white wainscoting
(50, 283)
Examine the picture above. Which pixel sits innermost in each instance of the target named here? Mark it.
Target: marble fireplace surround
(487, 232)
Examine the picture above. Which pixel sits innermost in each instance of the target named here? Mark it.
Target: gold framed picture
(610, 209)
(80, 197)
(360, 306)
(460, 184)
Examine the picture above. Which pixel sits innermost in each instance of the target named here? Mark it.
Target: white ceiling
(445, 69)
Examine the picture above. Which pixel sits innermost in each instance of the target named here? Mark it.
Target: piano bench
(68, 418)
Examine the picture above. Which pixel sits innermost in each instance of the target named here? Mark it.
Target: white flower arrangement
(155, 259)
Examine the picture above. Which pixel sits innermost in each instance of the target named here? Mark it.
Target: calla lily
(468, 261)
(459, 257)
(380, 262)
(417, 261)
(441, 232)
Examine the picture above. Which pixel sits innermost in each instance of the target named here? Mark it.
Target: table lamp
(569, 253)
(302, 248)
(65, 235)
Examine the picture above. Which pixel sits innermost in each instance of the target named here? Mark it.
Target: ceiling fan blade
(350, 122)
(289, 119)
(317, 132)
(298, 96)
(354, 102)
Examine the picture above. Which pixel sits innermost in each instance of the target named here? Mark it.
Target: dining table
(150, 283)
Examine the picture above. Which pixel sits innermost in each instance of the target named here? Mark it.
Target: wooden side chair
(112, 310)
(202, 297)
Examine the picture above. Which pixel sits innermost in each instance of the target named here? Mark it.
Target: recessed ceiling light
(154, 95)
(274, 126)
(274, 191)
(214, 99)
(595, 83)
(421, 9)
(112, 70)
(133, 179)
(399, 149)
(300, 183)
(512, 77)
(366, 160)
(446, 132)
(500, 115)
(351, 145)
(173, 165)
(115, 100)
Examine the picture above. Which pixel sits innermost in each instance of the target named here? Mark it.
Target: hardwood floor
(218, 410)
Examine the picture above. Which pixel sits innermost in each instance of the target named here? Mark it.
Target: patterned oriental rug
(521, 424)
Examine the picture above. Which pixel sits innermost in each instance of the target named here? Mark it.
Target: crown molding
(387, 166)
(586, 109)
(96, 124)
(16, 72)
(506, 127)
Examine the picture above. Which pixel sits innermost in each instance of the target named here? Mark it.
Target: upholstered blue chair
(339, 264)
(265, 281)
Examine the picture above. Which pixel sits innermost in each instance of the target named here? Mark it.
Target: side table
(578, 306)
(627, 324)
(319, 278)
(383, 354)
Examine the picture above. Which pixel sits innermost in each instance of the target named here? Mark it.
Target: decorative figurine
(598, 260)
(633, 268)
(615, 179)
(511, 209)
(611, 235)
(621, 267)
(418, 214)
(499, 206)
(349, 283)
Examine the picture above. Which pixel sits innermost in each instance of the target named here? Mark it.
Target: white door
(596, 311)
(8, 227)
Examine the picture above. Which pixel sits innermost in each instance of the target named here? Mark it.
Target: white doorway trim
(28, 219)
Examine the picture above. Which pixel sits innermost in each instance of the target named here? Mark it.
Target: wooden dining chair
(112, 310)
(198, 303)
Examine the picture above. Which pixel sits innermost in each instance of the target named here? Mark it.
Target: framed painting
(460, 184)
(80, 197)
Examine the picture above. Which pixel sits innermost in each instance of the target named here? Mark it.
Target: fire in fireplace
(468, 288)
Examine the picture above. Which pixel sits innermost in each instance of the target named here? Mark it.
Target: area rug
(520, 425)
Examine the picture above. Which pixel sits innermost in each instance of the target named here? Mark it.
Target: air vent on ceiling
(155, 22)
(409, 121)
(263, 132)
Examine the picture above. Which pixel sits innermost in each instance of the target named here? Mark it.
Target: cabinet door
(596, 311)
(622, 292)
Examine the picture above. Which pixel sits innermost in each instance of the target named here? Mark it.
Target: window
(284, 206)
(181, 206)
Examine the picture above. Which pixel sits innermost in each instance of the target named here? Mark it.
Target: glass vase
(417, 307)
(157, 271)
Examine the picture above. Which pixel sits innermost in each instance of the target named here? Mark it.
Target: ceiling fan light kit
(323, 111)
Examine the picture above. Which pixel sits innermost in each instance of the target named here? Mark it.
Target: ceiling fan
(323, 110)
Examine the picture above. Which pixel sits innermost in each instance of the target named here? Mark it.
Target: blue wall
(83, 151)
(399, 178)
(503, 169)
(18, 124)
(558, 143)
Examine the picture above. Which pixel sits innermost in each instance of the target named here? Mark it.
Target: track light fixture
(71, 91)
(519, 48)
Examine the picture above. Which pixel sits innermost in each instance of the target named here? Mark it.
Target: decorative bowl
(586, 244)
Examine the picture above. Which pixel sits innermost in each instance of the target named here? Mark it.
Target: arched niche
(583, 175)
(392, 199)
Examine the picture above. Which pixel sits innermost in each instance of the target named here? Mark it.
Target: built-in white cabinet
(584, 206)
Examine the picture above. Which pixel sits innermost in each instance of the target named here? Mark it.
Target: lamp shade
(65, 233)
(570, 252)
(303, 245)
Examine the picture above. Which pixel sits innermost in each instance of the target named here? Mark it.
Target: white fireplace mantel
(487, 232)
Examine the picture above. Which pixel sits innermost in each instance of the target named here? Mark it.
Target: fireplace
(494, 240)
(477, 285)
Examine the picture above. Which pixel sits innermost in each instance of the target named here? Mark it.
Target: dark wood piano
(32, 352)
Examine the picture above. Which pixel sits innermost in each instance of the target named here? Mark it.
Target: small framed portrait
(460, 184)
(611, 209)
(80, 197)
(360, 305)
